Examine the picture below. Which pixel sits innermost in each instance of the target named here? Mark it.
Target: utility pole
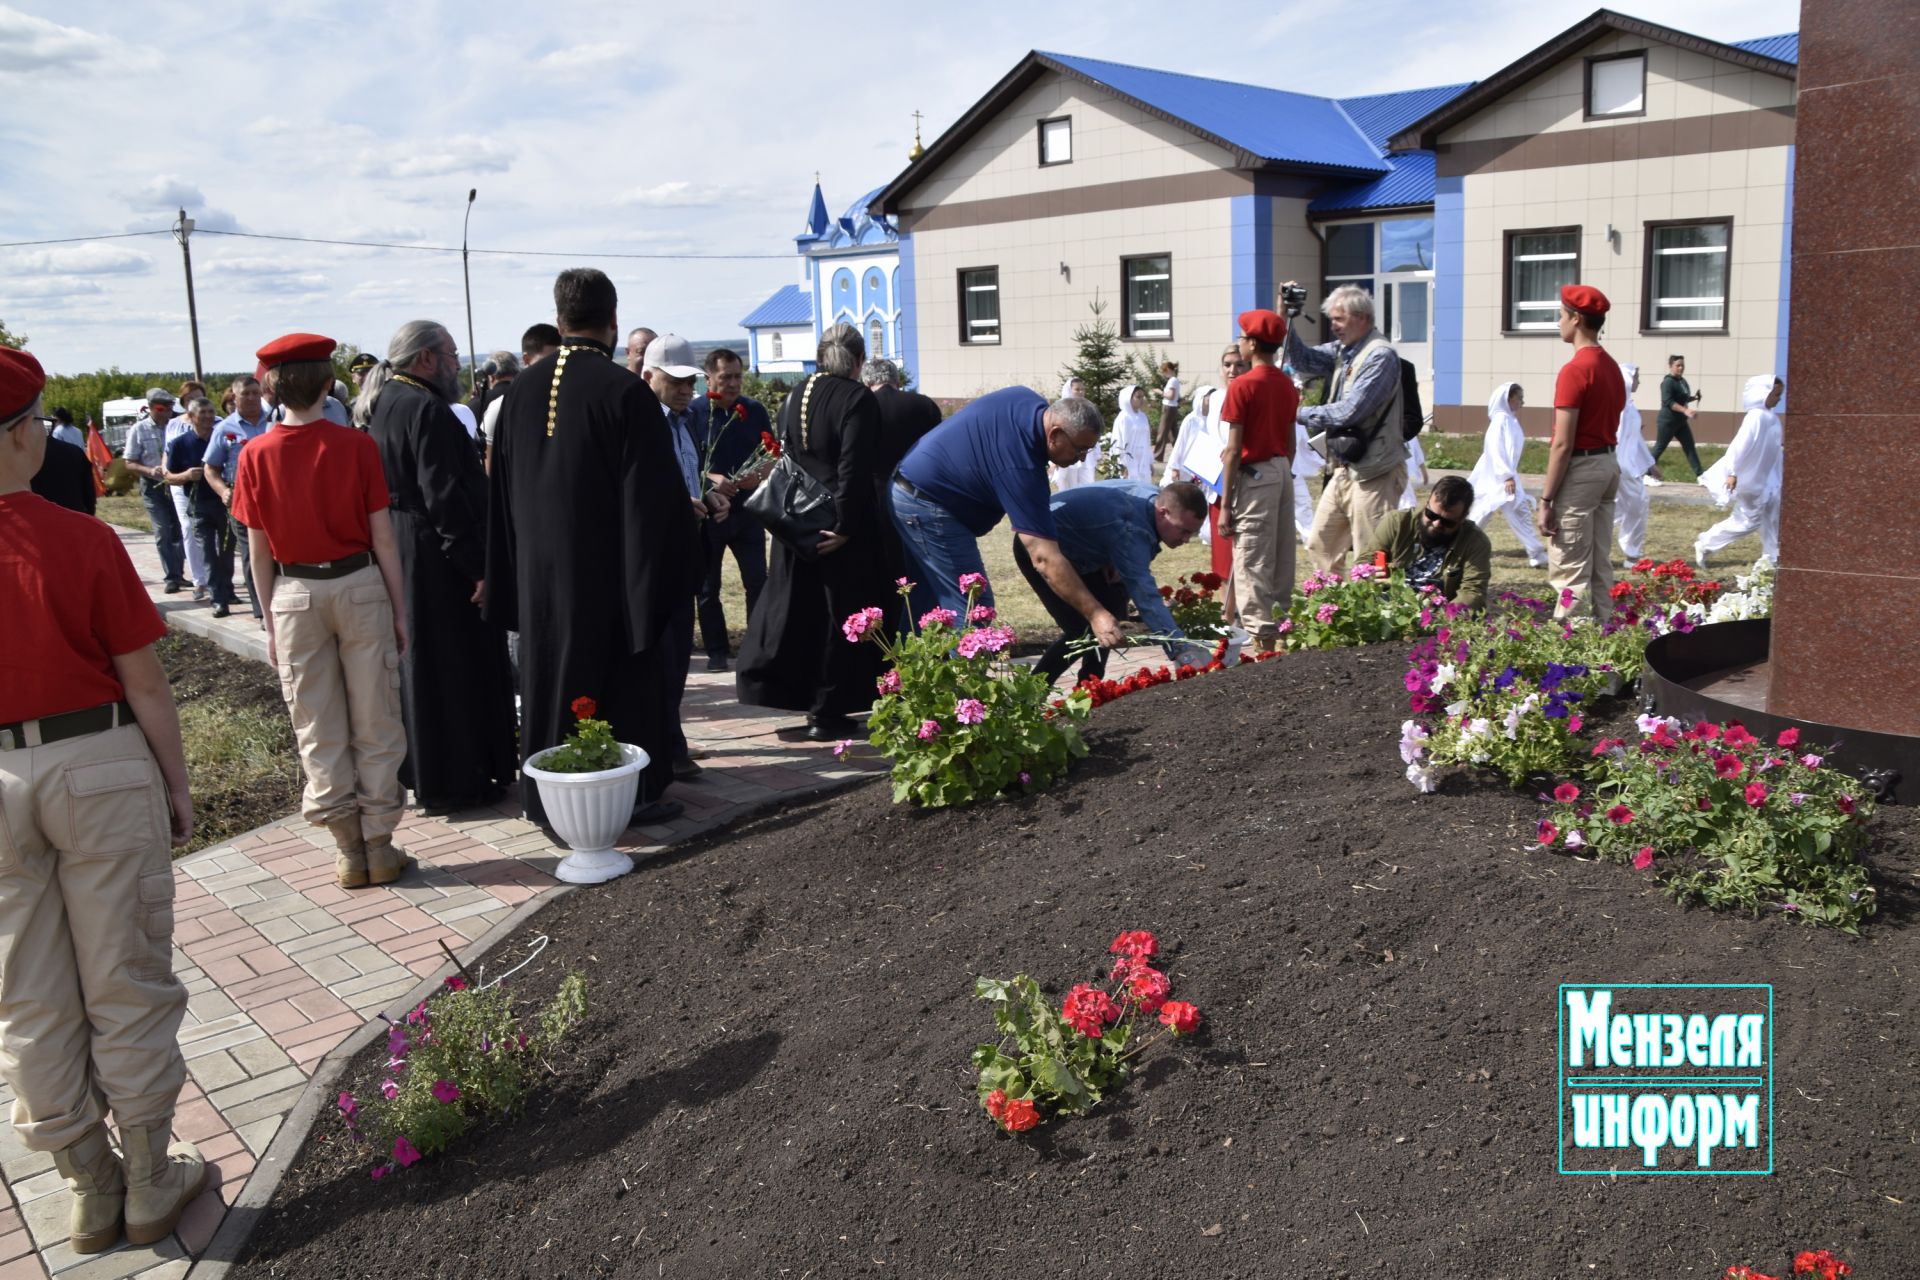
(473, 354)
(182, 231)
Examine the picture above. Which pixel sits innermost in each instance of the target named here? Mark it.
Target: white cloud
(53, 287)
(271, 127)
(169, 192)
(384, 234)
(675, 195)
(455, 155)
(84, 260)
(29, 44)
(582, 56)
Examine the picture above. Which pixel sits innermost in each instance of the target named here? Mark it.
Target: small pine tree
(1097, 361)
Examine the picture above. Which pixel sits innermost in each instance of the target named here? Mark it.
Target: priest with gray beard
(456, 689)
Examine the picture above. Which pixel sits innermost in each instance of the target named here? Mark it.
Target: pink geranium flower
(858, 624)
(929, 730)
(1325, 612)
(938, 617)
(969, 711)
(888, 683)
(973, 581)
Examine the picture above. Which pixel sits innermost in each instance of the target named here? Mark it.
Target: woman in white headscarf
(1635, 459)
(1131, 439)
(1193, 429)
(1083, 471)
(1305, 463)
(1496, 477)
(1416, 474)
(1747, 477)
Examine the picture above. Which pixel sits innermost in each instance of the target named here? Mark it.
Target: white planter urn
(589, 811)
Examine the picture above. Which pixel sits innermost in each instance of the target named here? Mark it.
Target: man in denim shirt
(146, 457)
(230, 435)
(1110, 532)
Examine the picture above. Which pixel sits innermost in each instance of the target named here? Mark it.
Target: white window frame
(979, 333)
(1548, 309)
(1158, 324)
(1650, 321)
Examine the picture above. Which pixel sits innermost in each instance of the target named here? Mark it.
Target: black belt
(326, 569)
(1588, 453)
(905, 485)
(68, 724)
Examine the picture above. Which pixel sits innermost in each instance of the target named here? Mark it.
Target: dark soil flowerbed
(242, 764)
(774, 1079)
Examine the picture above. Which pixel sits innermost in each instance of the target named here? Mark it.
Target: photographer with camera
(1359, 425)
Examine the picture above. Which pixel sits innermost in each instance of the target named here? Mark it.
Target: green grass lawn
(126, 510)
(1459, 453)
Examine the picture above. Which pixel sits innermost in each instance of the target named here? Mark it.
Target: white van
(116, 422)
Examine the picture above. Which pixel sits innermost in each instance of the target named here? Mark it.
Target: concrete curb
(222, 1252)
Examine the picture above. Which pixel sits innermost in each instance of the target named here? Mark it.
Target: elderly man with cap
(1256, 486)
(146, 457)
(359, 367)
(91, 766)
(313, 496)
(669, 369)
(1360, 422)
(1576, 502)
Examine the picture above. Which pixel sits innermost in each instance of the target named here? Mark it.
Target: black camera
(1293, 299)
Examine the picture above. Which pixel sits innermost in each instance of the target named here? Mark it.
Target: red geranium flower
(996, 1103)
(1089, 1010)
(1137, 944)
(583, 708)
(1149, 987)
(1182, 1017)
(1020, 1115)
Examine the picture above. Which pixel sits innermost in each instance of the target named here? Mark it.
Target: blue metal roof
(1381, 115)
(1271, 124)
(791, 305)
(1786, 48)
(1410, 182)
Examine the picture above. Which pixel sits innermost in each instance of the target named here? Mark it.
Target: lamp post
(473, 355)
(182, 231)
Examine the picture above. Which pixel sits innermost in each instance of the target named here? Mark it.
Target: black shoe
(173, 587)
(830, 728)
(221, 611)
(717, 662)
(658, 811)
(686, 767)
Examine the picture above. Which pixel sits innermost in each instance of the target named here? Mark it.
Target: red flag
(100, 456)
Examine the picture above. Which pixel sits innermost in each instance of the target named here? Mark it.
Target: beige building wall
(1748, 185)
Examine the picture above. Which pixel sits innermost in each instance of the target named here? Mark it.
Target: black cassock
(905, 416)
(795, 657)
(66, 477)
(456, 688)
(591, 547)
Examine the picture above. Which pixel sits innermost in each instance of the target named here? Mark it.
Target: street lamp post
(473, 354)
(182, 231)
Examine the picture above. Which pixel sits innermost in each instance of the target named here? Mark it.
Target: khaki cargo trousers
(1580, 557)
(340, 676)
(1349, 512)
(1262, 544)
(89, 1007)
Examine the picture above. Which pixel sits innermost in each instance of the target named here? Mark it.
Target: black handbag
(794, 506)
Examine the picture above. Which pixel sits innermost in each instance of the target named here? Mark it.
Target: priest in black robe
(66, 477)
(795, 656)
(456, 687)
(592, 541)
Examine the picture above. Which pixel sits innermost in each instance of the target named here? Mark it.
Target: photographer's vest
(1386, 446)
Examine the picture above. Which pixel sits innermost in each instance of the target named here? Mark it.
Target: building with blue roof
(849, 271)
(1653, 163)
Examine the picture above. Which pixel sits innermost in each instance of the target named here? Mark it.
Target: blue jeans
(939, 549)
(166, 531)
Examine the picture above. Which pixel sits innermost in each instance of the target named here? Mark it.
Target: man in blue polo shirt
(248, 419)
(987, 461)
(1110, 532)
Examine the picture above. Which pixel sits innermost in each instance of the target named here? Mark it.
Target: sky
(584, 130)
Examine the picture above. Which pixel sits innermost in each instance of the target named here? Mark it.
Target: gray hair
(504, 365)
(410, 342)
(1352, 299)
(880, 372)
(841, 352)
(1075, 414)
(196, 401)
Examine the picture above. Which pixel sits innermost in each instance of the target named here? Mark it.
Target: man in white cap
(670, 369)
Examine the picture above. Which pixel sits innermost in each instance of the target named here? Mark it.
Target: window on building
(876, 339)
(980, 305)
(1617, 85)
(1685, 285)
(1406, 244)
(1056, 140)
(778, 354)
(1147, 284)
(1537, 264)
(1350, 259)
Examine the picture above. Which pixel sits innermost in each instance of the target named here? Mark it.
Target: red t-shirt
(72, 603)
(310, 489)
(1591, 382)
(1263, 402)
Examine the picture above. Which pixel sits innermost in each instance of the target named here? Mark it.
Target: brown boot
(162, 1181)
(350, 863)
(385, 862)
(99, 1191)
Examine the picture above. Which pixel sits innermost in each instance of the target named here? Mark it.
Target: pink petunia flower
(389, 1090)
(1788, 737)
(840, 748)
(378, 1172)
(405, 1152)
(1811, 761)
(1566, 793)
(1643, 859)
(1756, 794)
(446, 1091)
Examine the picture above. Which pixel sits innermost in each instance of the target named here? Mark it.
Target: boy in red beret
(1256, 487)
(91, 767)
(1576, 503)
(313, 496)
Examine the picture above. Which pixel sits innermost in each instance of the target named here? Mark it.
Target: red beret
(296, 346)
(21, 379)
(1263, 326)
(1584, 297)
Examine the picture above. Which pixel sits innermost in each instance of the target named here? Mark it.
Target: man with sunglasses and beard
(1436, 545)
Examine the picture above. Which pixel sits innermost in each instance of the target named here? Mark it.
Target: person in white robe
(1496, 477)
(1747, 477)
(1635, 459)
(1083, 471)
(1131, 440)
(1305, 463)
(1416, 474)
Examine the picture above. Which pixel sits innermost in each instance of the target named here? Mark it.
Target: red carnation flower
(583, 708)
(1182, 1017)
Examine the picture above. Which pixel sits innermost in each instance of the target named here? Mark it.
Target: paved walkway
(281, 965)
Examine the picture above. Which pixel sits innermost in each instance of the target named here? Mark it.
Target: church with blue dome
(849, 271)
